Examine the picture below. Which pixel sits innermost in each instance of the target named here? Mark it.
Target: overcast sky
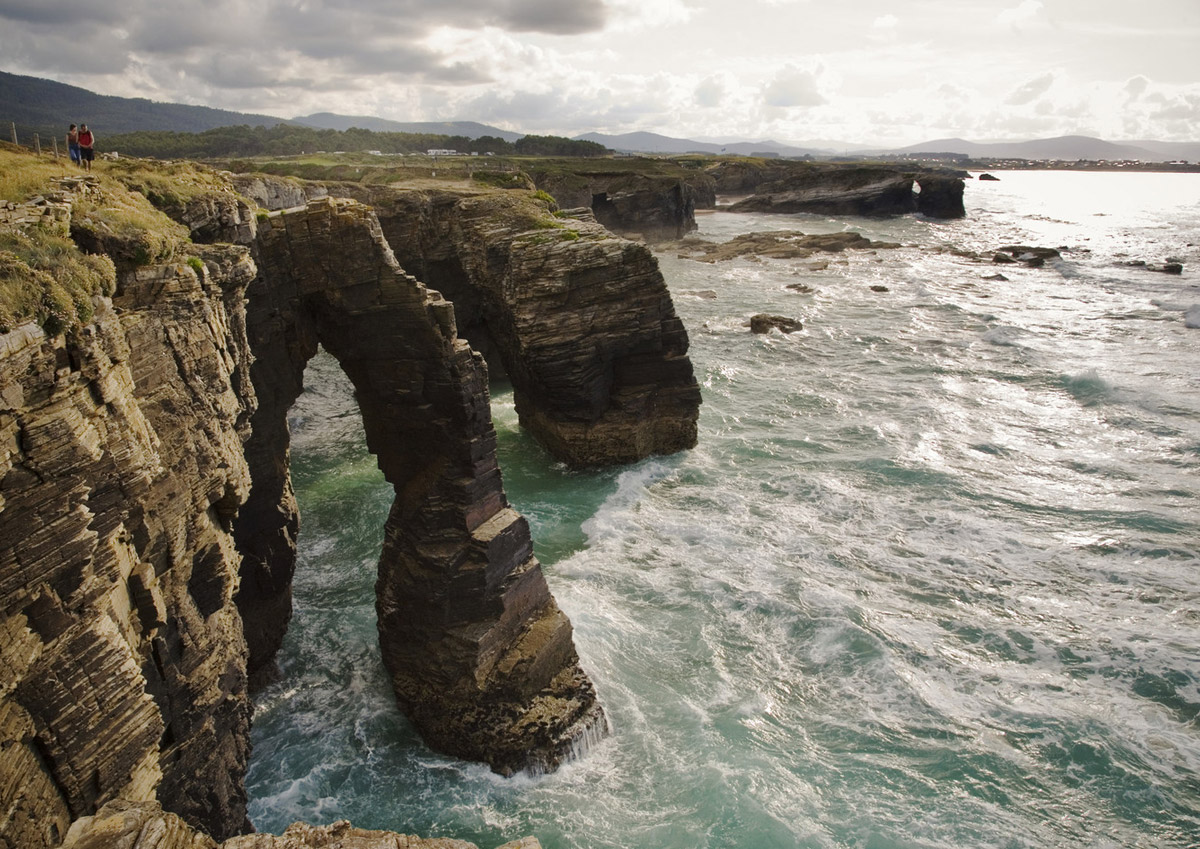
(872, 71)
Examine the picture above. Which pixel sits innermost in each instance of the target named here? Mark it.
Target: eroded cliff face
(147, 525)
(581, 321)
(481, 658)
(839, 189)
(639, 206)
(121, 469)
(144, 825)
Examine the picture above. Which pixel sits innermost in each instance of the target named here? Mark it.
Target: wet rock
(782, 244)
(997, 277)
(144, 825)
(941, 196)
(765, 323)
(879, 288)
(989, 177)
(1031, 257)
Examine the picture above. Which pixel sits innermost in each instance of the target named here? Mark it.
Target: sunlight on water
(930, 579)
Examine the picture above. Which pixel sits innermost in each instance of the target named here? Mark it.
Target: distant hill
(470, 129)
(47, 107)
(1063, 147)
(1189, 151)
(655, 143)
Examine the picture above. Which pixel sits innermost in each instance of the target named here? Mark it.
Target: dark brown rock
(764, 323)
(839, 189)
(778, 244)
(844, 191)
(648, 206)
(481, 658)
(941, 196)
(120, 467)
(581, 322)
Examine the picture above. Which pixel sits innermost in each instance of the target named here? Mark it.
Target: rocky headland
(147, 522)
(838, 189)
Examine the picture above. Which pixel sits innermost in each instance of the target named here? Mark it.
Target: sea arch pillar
(481, 658)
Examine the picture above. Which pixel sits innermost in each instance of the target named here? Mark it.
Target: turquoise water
(930, 579)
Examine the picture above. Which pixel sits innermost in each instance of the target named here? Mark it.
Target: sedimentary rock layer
(835, 189)
(648, 206)
(481, 658)
(144, 825)
(120, 470)
(581, 322)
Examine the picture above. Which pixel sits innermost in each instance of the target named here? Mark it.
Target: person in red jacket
(86, 146)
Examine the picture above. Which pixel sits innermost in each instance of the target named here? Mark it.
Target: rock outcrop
(481, 658)
(145, 506)
(581, 322)
(121, 469)
(765, 323)
(837, 189)
(778, 244)
(649, 206)
(144, 825)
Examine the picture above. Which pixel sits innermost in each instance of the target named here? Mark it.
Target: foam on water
(930, 579)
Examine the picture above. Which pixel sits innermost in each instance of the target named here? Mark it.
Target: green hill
(47, 107)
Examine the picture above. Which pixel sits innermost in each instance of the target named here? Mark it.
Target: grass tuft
(45, 278)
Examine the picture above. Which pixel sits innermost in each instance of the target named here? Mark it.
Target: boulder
(765, 323)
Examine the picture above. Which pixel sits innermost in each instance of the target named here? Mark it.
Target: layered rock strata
(833, 189)
(481, 658)
(126, 457)
(580, 321)
(646, 206)
(144, 825)
(121, 469)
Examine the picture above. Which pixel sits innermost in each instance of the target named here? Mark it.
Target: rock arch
(481, 658)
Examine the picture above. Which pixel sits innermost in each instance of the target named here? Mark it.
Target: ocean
(929, 580)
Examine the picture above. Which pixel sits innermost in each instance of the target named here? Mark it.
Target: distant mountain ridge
(655, 143)
(470, 129)
(46, 107)
(42, 106)
(1062, 147)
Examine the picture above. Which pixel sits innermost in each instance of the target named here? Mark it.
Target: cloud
(793, 87)
(332, 38)
(1028, 10)
(710, 92)
(885, 22)
(1031, 90)
(1136, 87)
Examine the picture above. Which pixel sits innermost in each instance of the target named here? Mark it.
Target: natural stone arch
(481, 658)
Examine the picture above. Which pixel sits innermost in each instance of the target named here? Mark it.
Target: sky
(871, 72)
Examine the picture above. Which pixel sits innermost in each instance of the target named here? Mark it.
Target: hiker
(73, 144)
(86, 141)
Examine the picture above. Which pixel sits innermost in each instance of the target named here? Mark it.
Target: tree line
(292, 139)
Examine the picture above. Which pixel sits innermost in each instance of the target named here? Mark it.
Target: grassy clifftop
(64, 237)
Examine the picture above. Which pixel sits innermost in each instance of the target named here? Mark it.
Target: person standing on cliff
(86, 142)
(73, 144)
